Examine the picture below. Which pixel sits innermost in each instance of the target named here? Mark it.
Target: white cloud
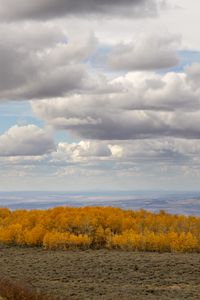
(83, 151)
(118, 163)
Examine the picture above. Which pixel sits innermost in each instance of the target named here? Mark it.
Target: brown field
(103, 274)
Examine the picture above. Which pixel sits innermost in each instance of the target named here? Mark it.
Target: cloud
(90, 155)
(27, 140)
(146, 52)
(50, 65)
(121, 155)
(107, 164)
(193, 74)
(46, 9)
(164, 150)
(45, 65)
(136, 128)
(83, 151)
(147, 105)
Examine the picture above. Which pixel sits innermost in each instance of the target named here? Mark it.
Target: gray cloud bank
(46, 9)
(45, 65)
(50, 64)
(146, 52)
(136, 106)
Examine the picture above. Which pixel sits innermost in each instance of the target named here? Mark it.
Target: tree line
(100, 227)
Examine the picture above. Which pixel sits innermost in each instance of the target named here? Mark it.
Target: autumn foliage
(100, 227)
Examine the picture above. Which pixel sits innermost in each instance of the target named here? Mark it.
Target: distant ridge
(187, 203)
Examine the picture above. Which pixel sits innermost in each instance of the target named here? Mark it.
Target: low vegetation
(101, 274)
(13, 291)
(100, 227)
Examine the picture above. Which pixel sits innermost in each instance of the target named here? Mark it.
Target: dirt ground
(103, 274)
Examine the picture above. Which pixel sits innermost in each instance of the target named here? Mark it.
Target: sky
(99, 95)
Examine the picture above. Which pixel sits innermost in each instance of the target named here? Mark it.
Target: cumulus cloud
(146, 52)
(165, 150)
(139, 124)
(83, 151)
(27, 140)
(107, 163)
(116, 155)
(45, 66)
(45, 9)
(148, 106)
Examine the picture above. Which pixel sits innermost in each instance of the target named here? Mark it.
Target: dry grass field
(102, 274)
